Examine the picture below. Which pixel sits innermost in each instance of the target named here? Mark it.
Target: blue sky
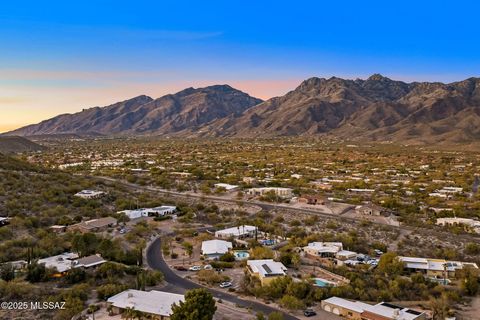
(62, 56)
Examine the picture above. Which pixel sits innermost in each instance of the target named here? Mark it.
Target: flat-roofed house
(94, 225)
(474, 225)
(311, 199)
(345, 308)
(226, 186)
(323, 249)
(369, 209)
(356, 310)
(153, 304)
(279, 192)
(214, 249)
(266, 270)
(90, 194)
(62, 262)
(243, 231)
(149, 212)
(435, 268)
(385, 310)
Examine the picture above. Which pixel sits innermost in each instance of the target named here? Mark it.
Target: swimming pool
(241, 254)
(319, 282)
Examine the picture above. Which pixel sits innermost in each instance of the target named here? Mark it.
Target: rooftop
(152, 302)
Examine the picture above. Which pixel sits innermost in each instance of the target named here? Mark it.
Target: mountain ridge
(373, 109)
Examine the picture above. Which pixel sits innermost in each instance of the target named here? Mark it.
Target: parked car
(180, 268)
(309, 313)
(195, 268)
(378, 252)
(226, 284)
(208, 267)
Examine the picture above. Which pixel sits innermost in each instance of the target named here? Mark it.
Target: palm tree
(91, 309)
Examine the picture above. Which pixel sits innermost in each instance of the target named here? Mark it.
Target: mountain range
(375, 109)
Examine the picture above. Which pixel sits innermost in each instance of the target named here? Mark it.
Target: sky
(63, 56)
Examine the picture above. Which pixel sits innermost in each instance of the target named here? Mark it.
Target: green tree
(198, 305)
(390, 265)
(7, 272)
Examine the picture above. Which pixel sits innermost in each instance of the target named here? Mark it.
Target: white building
(62, 262)
(89, 194)
(323, 249)
(146, 212)
(226, 186)
(279, 192)
(435, 268)
(214, 249)
(243, 231)
(158, 304)
(473, 224)
(68, 260)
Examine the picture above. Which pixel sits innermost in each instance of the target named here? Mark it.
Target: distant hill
(186, 110)
(13, 144)
(375, 109)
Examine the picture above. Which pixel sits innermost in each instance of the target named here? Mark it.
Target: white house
(146, 212)
(157, 304)
(226, 186)
(89, 194)
(243, 231)
(473, 224)
(214, 249)
(62, 262)
(323, 249)
(279, 192)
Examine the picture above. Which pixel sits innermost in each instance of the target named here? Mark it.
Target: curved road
(178, 284)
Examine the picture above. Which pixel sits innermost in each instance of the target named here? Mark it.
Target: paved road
(177, 284)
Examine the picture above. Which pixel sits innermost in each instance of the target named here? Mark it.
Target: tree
(390, 265)
(7, 272)
(470, 281)
(188, 247)
(198, 305)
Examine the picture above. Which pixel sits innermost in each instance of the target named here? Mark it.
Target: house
(354, 190)
(89, 194)
(474, 225)
(226, 186)
(153, 304)
(323, 249)
(369, 209)
(344, 255)
(311, 199)
(62, 262)
(214, 249)
(149, 212)
(345, 308)
(356, 310)
(435, 268)
(90, 261)
(266, 270)
(239, 232)
(58, 228)
(66, 261)
(277, 191)
(94, 225)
